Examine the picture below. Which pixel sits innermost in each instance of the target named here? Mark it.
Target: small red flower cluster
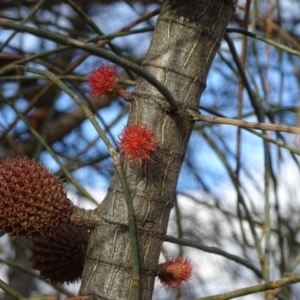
(103, 80)
(137, 143)
(174, 271)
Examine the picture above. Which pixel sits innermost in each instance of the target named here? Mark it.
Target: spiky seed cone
(32, 199)
(60, 257)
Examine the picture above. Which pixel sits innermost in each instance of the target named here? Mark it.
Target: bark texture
(185, 41)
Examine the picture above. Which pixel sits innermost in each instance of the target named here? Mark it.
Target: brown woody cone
(60, 257)
(32, 199)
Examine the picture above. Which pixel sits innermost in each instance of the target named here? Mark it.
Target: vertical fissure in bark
(184, 43)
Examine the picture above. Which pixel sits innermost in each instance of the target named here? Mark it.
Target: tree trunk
(185, 41)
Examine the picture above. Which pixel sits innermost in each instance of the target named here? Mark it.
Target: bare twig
(271, 285)
(241, 123)
(214, 250)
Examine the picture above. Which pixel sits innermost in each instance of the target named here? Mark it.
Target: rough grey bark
(185, 41)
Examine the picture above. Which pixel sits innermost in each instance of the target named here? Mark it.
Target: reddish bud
(137, 143)
(103, 80)
(174, 271)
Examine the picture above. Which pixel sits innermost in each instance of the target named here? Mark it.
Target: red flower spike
(103, 80)
(137, 143)
(174, 271)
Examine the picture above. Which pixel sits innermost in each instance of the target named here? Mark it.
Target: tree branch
(271, 285)
(241, 123)
(214, 250)
(84, 218)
